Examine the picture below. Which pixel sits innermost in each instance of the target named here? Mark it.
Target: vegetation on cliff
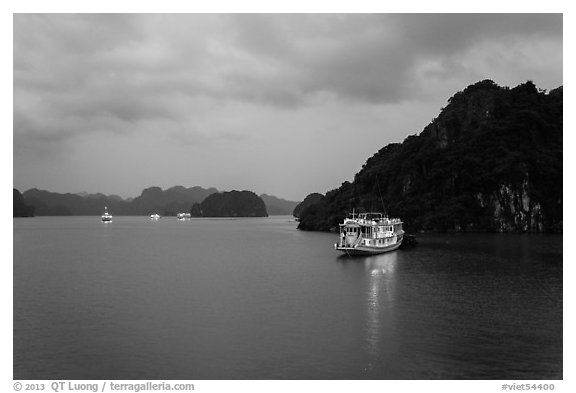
(491, 161)
(309, 200)
(230, 204)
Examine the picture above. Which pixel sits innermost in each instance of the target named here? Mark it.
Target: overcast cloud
(277, 104)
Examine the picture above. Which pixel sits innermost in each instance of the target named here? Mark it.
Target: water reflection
(380, 306)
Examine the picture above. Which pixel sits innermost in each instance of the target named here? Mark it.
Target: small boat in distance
(183, 216)
(369, 233)
(106, 217)
(154, 216)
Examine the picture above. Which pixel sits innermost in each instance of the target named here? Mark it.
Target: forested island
(491, 161)
(230, 204)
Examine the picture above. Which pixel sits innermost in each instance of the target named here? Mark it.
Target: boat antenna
(380, 192)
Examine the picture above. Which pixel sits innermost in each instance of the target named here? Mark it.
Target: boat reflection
(380, 306)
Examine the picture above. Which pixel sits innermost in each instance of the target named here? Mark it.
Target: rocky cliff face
(491, 161)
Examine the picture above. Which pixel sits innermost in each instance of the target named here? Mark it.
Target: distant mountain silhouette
(278, 206)
(19, 208)
(230, 204)
(152, 200)
(174, 200)
(54, 204)
(491, 161)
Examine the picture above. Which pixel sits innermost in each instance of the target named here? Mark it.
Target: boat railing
(362, 219)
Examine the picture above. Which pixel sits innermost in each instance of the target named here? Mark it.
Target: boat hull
(368, 250)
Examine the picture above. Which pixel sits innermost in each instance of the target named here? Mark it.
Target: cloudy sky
(278, 104)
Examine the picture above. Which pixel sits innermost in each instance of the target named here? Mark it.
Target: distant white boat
(106, 217)
(154, 216)
(183, 216)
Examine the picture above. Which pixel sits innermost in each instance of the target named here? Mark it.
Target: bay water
(255, 298)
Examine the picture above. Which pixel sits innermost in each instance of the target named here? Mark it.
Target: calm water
(258, 299)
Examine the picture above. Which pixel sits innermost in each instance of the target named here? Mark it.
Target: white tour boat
(155, 216)
(183, 216)
(369, 233)
(106, 217)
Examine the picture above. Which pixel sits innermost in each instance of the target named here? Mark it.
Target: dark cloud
(449, 33)
(369, 58)
(274, 59)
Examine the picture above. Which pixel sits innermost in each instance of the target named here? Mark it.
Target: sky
(282, 104)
